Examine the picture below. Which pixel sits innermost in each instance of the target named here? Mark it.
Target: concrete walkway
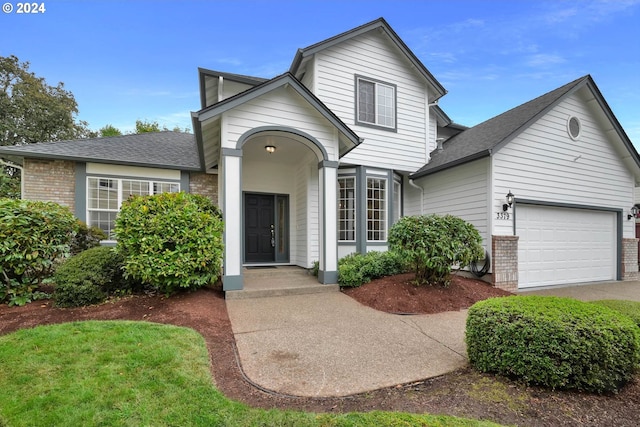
(330, 345)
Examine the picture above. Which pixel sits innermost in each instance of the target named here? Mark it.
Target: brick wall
(630, 259)
(205, 185)
(50, 180)
(504, 252)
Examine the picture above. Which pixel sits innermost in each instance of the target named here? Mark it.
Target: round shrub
(628, 308)
(33, 236)
(432, 244)
(87, 278)
(170, 241)
(553, 342)
(69, 294)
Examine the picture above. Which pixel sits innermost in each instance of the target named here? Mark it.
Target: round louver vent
(574, 127)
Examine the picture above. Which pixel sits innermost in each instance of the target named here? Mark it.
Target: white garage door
(561, 246)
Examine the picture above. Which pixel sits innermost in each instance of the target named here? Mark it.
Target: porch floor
(272, 281)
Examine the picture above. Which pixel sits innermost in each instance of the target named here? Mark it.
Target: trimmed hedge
(628, 308)
(357, 269)
(89, 277)
(554, 342)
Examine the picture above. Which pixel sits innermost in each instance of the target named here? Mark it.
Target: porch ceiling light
(270, 149)
(509, 203)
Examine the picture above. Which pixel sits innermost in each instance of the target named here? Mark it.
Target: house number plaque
(503, 215)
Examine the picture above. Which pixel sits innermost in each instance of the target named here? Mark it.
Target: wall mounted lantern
(633, 212)
(509, 203)
(270, 149)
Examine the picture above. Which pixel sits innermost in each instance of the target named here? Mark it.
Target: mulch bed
(464, 393)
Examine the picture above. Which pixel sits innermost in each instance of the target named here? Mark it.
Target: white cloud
(544, 60)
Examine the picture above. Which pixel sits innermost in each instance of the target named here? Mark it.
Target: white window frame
(397, 199)
(120, 197)
(379, 205)
(347, 205)
(378, 88)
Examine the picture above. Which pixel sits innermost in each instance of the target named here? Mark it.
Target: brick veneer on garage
(630, 259)
(205, 185)
(50, 180)
(504, 252)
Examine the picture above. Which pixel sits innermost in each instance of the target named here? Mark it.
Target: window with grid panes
(105, 196)
(346, 209)
(376, 209)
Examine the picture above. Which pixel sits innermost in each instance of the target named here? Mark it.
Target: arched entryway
(279, 203)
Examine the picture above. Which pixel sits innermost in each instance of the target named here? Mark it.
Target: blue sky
(129, 60)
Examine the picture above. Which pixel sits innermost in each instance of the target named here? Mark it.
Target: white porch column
(328, 272)
(232, 215)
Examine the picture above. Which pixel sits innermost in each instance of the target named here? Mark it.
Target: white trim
(132, 171)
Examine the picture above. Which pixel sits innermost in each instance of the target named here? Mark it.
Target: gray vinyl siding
(460, 191)
(373, 56)
(544, 163)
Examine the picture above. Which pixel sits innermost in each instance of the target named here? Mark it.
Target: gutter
(411, 183)
(21, 169)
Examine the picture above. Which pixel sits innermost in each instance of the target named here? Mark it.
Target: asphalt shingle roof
(174, 150)
(480, 140)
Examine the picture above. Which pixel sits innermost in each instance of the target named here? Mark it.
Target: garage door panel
(562, 246)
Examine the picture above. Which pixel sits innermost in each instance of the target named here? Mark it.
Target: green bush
(356, 269)
(69, 294)
(432, 244)
(33, 236)
(628, 308)
(86, 238)
(553, 342)
(89, 277)
(170, 241)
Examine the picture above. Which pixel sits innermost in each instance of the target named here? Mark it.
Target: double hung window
(376, 103)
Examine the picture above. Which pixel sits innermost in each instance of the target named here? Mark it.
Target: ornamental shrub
(86, 237)
(554, 342)
(89, 277)
(33, 236)
(628, 308)
(357, 269)
(170, 241)
(432, 244)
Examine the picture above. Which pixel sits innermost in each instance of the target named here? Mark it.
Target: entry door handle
(273, 236)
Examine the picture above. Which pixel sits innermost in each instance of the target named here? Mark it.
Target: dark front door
(259, 231)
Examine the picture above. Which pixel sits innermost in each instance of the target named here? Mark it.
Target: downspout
(21, 169)
(411, 183)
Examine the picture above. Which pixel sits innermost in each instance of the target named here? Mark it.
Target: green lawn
(138, 374)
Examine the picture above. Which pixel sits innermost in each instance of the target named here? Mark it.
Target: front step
(279, 281)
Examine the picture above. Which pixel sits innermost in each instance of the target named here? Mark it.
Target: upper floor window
(375, 103)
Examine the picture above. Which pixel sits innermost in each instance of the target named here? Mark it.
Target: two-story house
(320, 161)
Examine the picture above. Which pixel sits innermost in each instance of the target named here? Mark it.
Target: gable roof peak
(483, 139)
(382, 25)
